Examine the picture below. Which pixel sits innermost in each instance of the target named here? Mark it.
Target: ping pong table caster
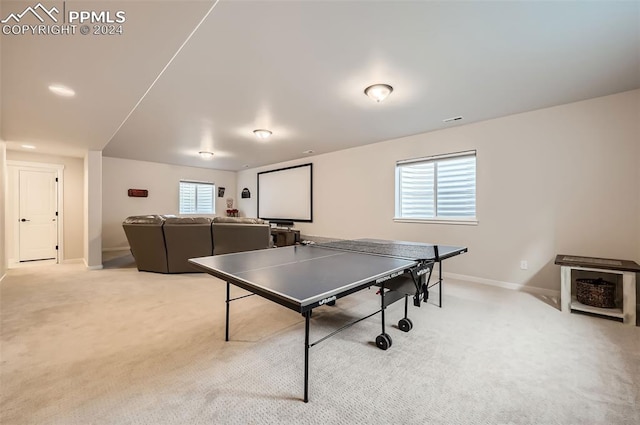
(383, 341)
(405, 324)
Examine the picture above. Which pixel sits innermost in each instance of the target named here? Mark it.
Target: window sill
(463, 222)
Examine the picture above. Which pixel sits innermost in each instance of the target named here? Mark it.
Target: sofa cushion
(144, 219)
(241, 220)
(146, 240)
(187, 237)
(230, 237)
(186, 220)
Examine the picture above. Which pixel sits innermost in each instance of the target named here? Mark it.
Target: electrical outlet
(524, 265)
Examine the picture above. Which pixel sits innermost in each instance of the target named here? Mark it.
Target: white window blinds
(439, 187)
(197, 197)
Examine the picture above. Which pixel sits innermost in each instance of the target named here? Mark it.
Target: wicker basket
(596, 292)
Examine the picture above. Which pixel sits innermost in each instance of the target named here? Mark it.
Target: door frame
(12, 208)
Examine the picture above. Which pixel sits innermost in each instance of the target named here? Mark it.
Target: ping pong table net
(401, 250)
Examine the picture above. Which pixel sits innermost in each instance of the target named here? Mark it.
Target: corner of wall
(3, 196)
(93, 209)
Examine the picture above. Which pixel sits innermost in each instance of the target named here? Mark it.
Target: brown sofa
(186, 237)
(163, 244)
(146, 240)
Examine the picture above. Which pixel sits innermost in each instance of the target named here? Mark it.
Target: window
(196, 197)
(440, 187)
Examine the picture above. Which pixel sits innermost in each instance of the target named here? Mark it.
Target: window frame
(438, 220)
(197, 182)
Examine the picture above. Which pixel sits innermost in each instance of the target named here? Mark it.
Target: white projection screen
(286, 194)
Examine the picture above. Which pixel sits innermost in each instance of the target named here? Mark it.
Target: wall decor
(246, 193)
(220, 192)
(138, 193)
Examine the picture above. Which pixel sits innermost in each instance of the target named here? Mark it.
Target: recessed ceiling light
(28, 146)
(206, 154)
(452, 119)
(262, 134)
(378, 92)
(310, 151)
(61, 90)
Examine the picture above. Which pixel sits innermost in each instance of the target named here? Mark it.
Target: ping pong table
(304, 277)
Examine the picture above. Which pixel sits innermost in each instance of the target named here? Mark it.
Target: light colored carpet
(118, 346)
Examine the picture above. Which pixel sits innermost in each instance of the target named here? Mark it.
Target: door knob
(24, 219)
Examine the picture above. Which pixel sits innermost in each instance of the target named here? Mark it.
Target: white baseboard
(122, 248)
(506, 285)
(73, 261)
(98, 267)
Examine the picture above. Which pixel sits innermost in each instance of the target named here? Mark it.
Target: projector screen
(286, 194)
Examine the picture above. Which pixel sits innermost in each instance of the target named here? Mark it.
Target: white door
(38, 224)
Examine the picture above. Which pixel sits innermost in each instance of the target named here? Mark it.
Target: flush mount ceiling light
(262, 134)
(61, 90)
(378, 92)
(206, 154)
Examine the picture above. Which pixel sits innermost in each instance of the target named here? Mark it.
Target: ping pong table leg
(405, 324)
(426, 286)
(226, 328)
(382, 306)
(440, 283)
(307, 317)
(383, 341)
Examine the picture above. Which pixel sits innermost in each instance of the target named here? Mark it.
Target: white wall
(73, 201)
(3, 187)
(637, 179)
(556, 180)
(161, 180)
(93, 209)
(3, 196)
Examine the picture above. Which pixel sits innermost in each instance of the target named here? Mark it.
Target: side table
(622, 272)
(285, 237)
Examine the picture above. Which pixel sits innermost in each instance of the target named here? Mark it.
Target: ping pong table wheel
(405, 324)
(383, 341)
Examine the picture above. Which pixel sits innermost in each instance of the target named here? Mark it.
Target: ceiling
(188, 76)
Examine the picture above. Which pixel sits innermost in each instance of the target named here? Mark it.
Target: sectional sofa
(163, 244)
